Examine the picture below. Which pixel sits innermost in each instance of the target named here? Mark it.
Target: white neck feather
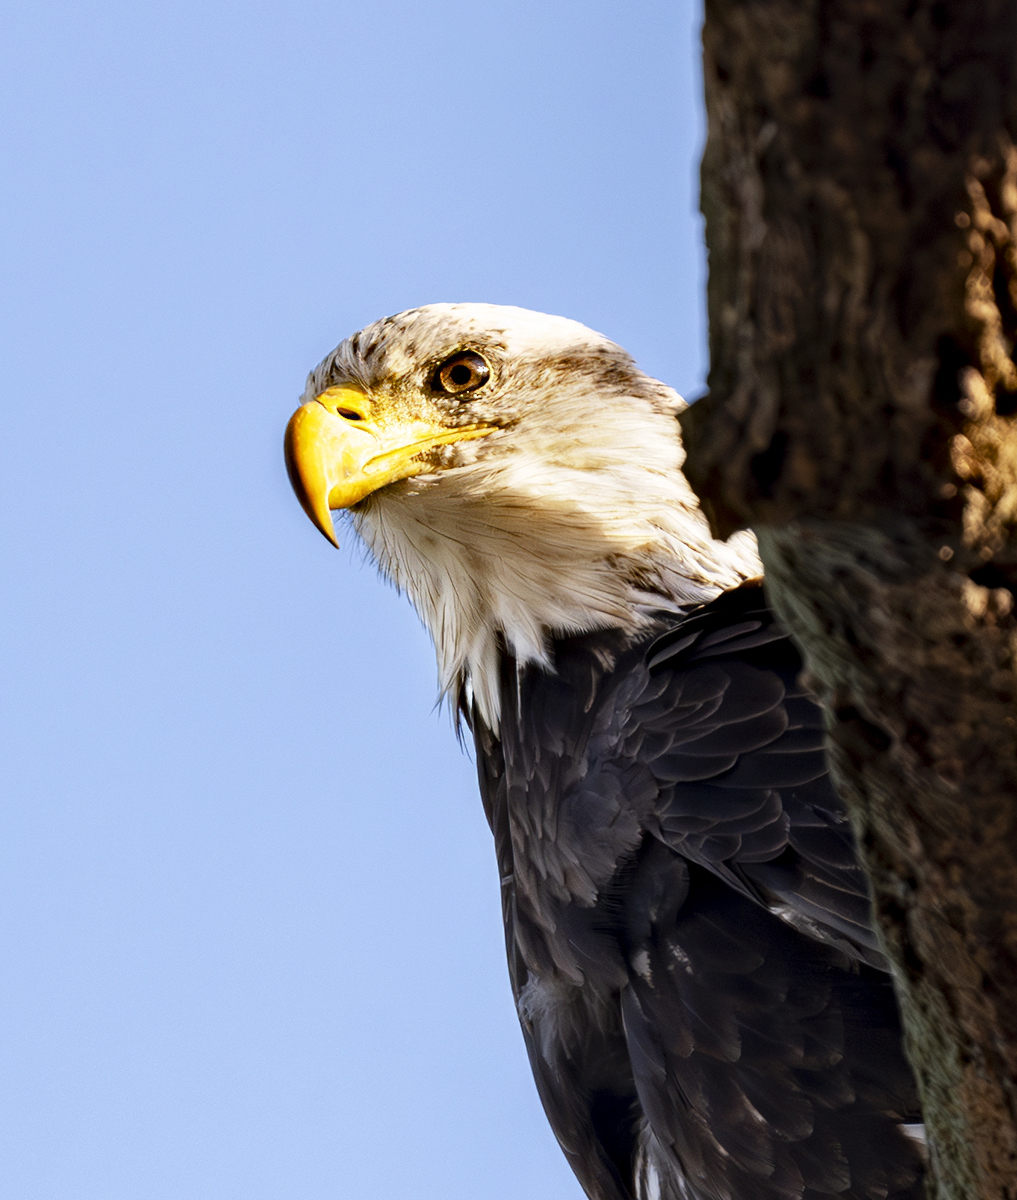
(549, 538)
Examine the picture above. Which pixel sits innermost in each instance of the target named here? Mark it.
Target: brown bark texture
(860, 190)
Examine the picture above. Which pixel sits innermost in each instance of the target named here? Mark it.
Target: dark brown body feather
(654, 806)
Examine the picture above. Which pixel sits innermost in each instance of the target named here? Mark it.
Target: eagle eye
(462, 372)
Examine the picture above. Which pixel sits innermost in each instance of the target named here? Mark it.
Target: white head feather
(574, 516)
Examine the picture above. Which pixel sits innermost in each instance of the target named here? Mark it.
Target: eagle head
(515, 474)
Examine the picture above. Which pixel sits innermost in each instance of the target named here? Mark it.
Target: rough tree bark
(860, 190)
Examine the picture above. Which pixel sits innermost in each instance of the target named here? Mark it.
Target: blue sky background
(249, 911)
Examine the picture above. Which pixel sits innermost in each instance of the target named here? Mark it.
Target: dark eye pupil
(460, 374)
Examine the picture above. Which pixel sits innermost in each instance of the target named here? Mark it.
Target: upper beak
(338, 451)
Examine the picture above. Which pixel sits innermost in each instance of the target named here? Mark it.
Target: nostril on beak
(346, 403)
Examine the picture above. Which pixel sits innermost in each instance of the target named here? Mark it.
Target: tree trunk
(860, 190)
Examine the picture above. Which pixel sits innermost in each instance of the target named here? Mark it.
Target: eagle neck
(507, 572)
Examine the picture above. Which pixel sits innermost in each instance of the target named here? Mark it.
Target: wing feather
(689, 932)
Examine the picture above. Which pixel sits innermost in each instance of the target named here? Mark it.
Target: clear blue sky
(249, 913)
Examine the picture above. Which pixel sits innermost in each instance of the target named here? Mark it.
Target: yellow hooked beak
(338, 451)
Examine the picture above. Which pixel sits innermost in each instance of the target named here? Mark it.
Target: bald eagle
(706, 1009)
